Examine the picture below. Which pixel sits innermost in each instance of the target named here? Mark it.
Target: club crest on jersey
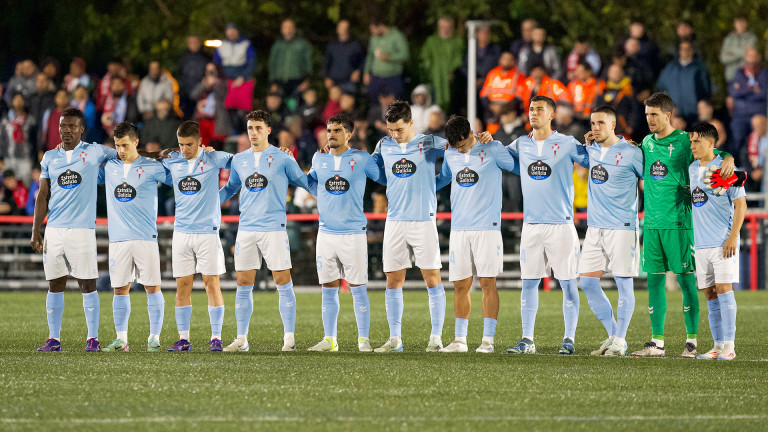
(352, 164)
(671, 149)
(467, 177)
(69, 179)
(125, 192)
(336, 185)
(189, 185)
(619, 157)
(555, 148)
(659, 170)
(421, 147)
(201, 164)
(256, 182)
(269, 161)
(539, 170)
(598, 174)
(482, 156)
(139, 171)
(83, 155)
(698, 197)
(403, 168)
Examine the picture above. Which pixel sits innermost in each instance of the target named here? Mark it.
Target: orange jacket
(502, 86)
(550, 88)
(583, 95)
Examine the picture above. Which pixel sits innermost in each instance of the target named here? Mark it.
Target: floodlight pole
(472, 26)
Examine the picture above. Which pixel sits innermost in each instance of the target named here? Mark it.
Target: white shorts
(473, 253)
(134, 260)
(406, 241)
(342, 257)
(70, 251)
(712, 268)
(197, 253)
(610, 250)
(549, 247)
(252, 246)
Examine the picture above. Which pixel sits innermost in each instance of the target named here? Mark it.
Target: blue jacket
(686, 85)
(747, 102)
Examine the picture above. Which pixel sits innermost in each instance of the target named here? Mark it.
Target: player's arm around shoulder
(222, 159)
(443, 179)
(503, 158)
(579, 153)
(296, 176)
(233, 185)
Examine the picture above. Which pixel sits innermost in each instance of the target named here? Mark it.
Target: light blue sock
(393, 301)
(362, 309)
(156, 311)
(461, 327)
(54, 308)
(121, 311)
(216, 315)
(489, 327)
(715, 320)
(570, 306)
(437, 308)
(598, 302)
(529, 305)
(287, 306)
(243, 308)
(626, 304)
(92, 308)
(330, 310)
(183, 317)
(728, 314)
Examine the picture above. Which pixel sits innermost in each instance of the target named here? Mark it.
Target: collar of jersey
(80, 144)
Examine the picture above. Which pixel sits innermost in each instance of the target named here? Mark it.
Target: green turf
(270, 390)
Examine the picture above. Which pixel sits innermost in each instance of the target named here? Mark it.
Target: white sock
(619, 340)
(333, 338)
(719, 345)
(435, 336)
(123, 336)
(288, 337)
(184, 334)
(728, 345)
(487, 339)
(659, 343)
(693, 341)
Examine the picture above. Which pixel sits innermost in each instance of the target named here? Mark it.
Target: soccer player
(611, 240)
(196, 244)
(67, 196)
(667, 235)
(549, 241)
(717, 221)
(410, 232)
(131, 189)
(338, 181)
(262, 173)
(473, 170)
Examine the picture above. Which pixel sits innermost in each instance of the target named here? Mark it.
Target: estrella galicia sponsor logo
(467, 177)
(70, 179)
(698, 197)
(659, 170)
(189, 185)
(125, 192)
(403, 168)
(598, 174)
(539, 170)
(256, 182)
(337, 185)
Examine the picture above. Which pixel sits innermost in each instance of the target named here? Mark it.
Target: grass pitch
(269, 390)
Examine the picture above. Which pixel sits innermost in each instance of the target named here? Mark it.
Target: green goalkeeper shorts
(668, 250)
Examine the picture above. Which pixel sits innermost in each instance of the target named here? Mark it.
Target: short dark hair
(74, 112)
(344, 119)
(259, 115)
(513, 106)
(661, 101)
(585, 64)
(705, 130)
(549, 101)
(605, 109)
(9, 173)
(188, 129)
(126, 129)
(399, 110)
(457, 129)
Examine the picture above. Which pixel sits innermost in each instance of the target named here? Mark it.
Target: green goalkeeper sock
(657, 303)
(690, 303)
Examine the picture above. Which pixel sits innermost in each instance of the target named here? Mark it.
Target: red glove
(713, 180)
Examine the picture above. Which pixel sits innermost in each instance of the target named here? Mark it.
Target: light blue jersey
(338, 182)
(712, 214)
(475, 179)
(196, 189)
(546, 176)
(131, 191)
(613, 174)
(262, 179)
(410, 171)
(73, 180)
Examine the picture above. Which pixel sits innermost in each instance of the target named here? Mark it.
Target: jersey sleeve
(444, 178)
(107, 153)
(439, 144)
(374, 171)
(44, 166)
(376, 155)
(512, 148)
(171, 156)
(223, 160)
(735, 193)
(504, 159)
(295, 175)
(101, 179)
(579, 153)
(637, 163)
(312, 181)
(162, 175)
(230, 189)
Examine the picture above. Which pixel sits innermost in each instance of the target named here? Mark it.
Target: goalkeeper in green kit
(667, 230)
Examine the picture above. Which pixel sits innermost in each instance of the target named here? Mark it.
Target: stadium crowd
(217, 88)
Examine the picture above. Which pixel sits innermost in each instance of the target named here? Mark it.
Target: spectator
(161, 128)
(333, 106)
(50, 125)
(154, 87)
(487, 58)
(17, 138)
(734, 46)
(343, 60)
(440, 56)
(755, 143)
(191, 70)
(3, 104)
(376, 113)
(685, 33)
(8, 191)
(387, 53)
(210, 112)
(347, 103)
(82, 101)
(639, 72)
(123, 107)
(540, 84)
(308, 110)
(23, 80)
(511, 127)
(360, 138)
(686, 81)
(32, 193)
(746, 97)
(565, 121)
(436, 124)
(41, 99)
(538, 52)
(276, 108)
(502, 84)
(648, 52)
(583, 91)
(236, 56)
(304, 139)
(286, 140)
(290, 61)
(51, 70)
(104, 88)
(707, 114)
(526, 36)
(617, 92)
(421, 107)
(77, 76)
(582, 52)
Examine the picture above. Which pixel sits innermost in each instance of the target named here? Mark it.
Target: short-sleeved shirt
(712, 214)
